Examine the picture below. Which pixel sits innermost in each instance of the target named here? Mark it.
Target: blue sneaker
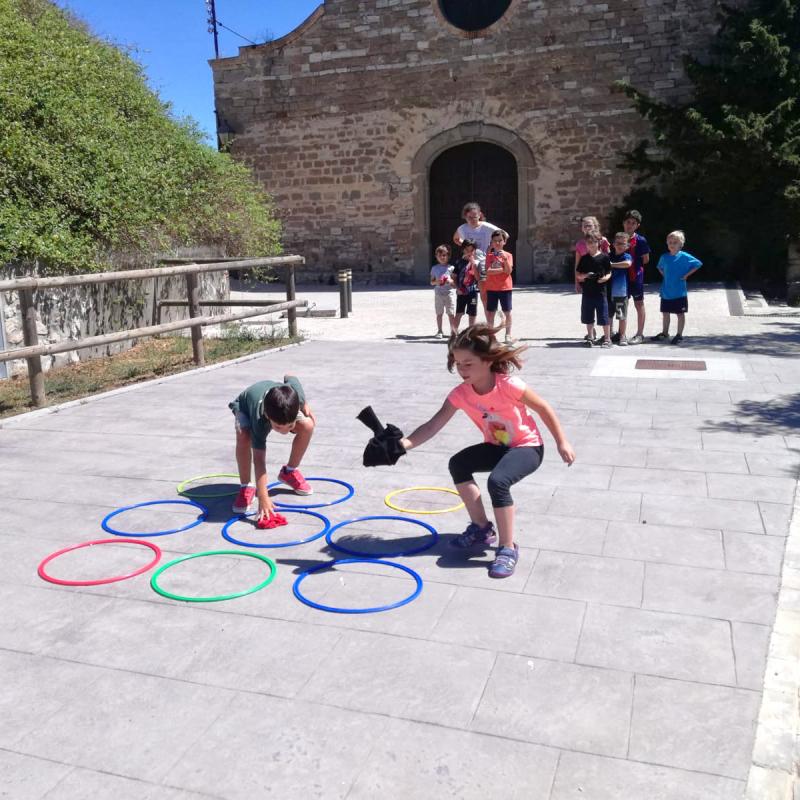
(505, 561)
(475, 536)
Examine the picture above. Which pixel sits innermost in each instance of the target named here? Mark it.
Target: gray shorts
(445, 303)
(620, 305)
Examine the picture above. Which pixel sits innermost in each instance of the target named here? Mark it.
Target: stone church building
(374, 121)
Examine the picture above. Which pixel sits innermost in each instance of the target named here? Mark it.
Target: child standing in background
(499, 285)
(593, 272)
(676, 266)
(620, 261)
(444, 292)
(640, 253)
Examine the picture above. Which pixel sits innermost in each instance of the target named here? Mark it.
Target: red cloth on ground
(272, 521)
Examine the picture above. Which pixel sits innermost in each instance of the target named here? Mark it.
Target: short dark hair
(469, 243)
(633, 214)
(281, 404)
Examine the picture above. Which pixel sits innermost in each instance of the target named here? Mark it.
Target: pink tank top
(500, 414)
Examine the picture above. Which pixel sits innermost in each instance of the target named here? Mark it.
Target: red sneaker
(241, 505)
(295, 480)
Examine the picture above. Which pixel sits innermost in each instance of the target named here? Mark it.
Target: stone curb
(776, 754)
(42, 412)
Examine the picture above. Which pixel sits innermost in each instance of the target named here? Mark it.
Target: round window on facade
(473, 15)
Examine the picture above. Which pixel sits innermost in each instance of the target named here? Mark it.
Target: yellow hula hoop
(200, 495)
(388, 499)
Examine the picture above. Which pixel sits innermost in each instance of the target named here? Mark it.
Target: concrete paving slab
(615, 581)
(665, 544)
(562, 705)
(651, 643)
(27, 778)
(621, 568)
(711, 593)
(459, 764)
(581, 776)
(693, 726)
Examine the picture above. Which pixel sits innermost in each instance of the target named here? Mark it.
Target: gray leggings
(505, 465)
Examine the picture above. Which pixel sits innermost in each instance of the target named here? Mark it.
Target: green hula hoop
(200, 495)
(164, 593)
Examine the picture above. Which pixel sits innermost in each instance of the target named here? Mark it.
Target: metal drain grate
(685, 366)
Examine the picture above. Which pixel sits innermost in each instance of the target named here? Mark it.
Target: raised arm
(548, 416)
(430, 428)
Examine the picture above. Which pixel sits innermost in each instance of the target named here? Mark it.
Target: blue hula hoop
(326, 527)
(350, 551)
(350, 492)
(334, 609)
(203, 514)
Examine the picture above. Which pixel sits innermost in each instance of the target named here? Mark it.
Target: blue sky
(169, 38)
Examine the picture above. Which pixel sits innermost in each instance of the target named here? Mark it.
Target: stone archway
(465, 133)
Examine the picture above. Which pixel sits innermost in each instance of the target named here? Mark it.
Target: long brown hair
(482, 342)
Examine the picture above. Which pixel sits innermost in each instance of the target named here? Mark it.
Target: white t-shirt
(482, 235)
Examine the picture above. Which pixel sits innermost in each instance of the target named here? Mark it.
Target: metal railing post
(35, 374)
(193, 290)
(291, 293)
(349, 291)
(342, 278)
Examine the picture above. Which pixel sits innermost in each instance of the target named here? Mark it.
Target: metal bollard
(342, 275)
(349, 291)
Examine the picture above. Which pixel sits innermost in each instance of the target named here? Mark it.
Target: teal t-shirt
(251, 403)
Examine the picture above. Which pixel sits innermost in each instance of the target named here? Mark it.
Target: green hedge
(91, 160)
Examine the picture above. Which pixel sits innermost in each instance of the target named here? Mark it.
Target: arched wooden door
(478, 171)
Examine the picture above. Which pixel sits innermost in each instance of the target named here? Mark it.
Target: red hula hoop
(44, 576)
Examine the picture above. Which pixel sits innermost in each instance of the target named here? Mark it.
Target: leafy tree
(91, 161)
(726, 164)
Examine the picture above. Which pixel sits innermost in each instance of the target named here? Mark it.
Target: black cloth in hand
(385, 447)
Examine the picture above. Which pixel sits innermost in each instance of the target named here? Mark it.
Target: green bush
(92, 162)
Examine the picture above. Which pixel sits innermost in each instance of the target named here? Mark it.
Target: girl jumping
(512, 447)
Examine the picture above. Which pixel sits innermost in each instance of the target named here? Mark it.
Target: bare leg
(505, 525)
(473, 320)
(607, 332)
(681, 323)
(458, 321)
(439, 322)
(453, 323)
(490, 318)
(665, 324)
(471, 495)
(302, 436)
(640, 316)
(243, 458)
(508, 324)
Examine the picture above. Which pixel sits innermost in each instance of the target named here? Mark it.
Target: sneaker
(241, 505)
(623, 341)
(677, 339)
(659, 337)
(439, 335)
(588, 342)
(638, 339)
(505, 562)
(615, 338)
(509, 340)
(475, 536)
(606, 343)
(588, 336)
(295, 480)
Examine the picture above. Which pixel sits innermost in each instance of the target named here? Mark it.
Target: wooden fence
(33, 351)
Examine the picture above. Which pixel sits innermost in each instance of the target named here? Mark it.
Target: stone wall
(78, 312)
(341, 118)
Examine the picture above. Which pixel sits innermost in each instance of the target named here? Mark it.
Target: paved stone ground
(624, 659)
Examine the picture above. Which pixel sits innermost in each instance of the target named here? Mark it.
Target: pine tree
(727, 163)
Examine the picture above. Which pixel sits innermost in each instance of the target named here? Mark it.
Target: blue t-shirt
(619, 274)
(674, 268)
